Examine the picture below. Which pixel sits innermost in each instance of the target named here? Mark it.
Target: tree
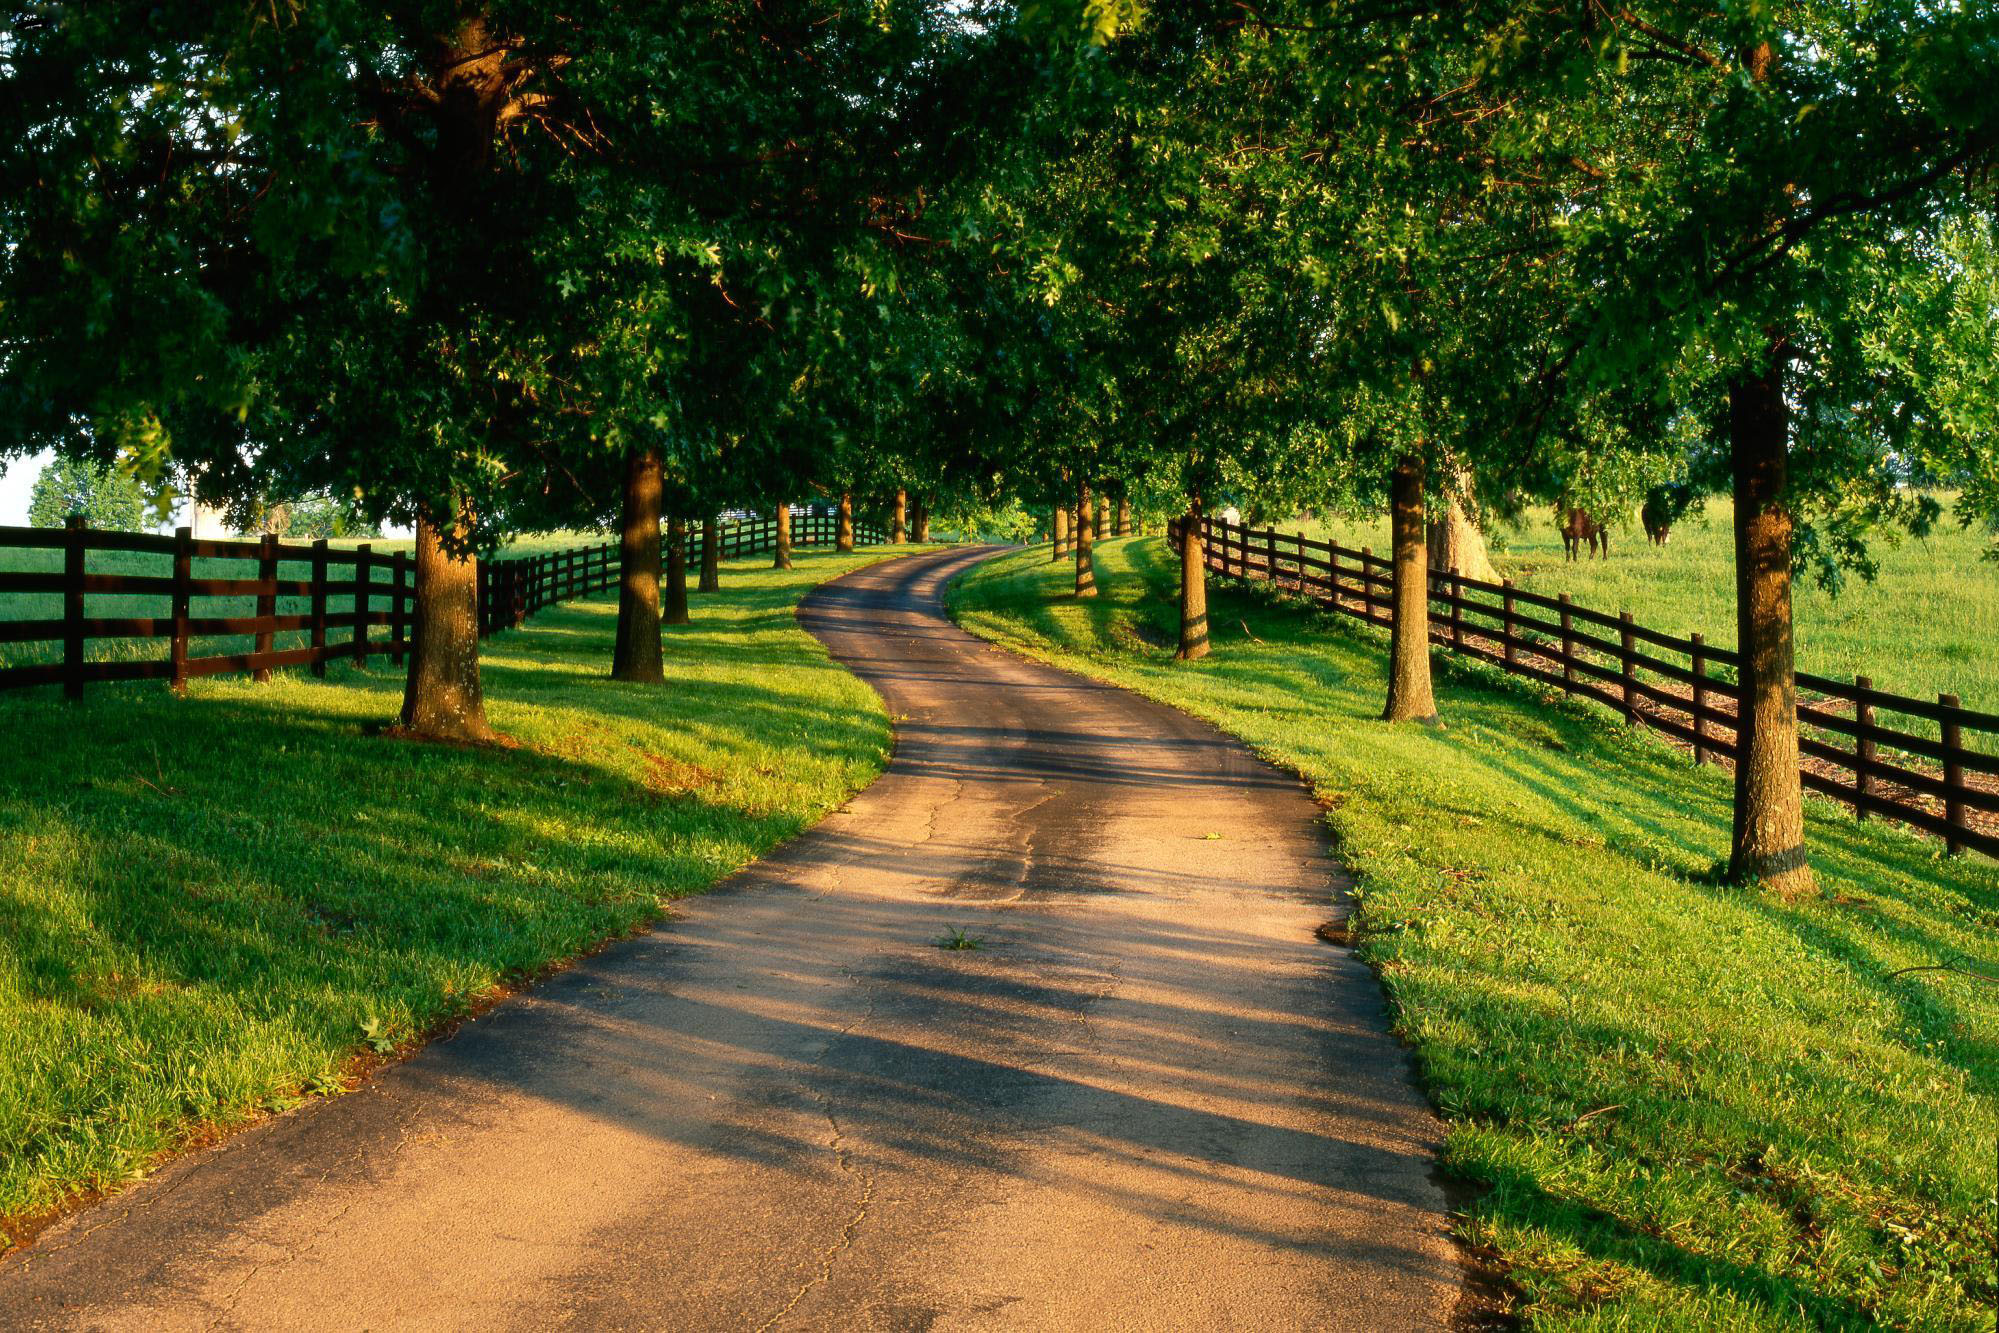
(107, 498)
(1750, 187)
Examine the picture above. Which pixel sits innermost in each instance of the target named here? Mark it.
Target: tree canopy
(490, 266)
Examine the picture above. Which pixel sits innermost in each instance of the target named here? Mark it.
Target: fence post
(1626, 667)
(1270, 554)
(1332, 569)
(183, 575)
(364, 574)
(1863, 745)
(72, 606)
(319, 607)
(520, 576)
(1697, 655)
(266, 602)
(399, 616)
(1953, 771)
(1457, 611)
(1366, 583)
(1568, 642)
(1506, 619)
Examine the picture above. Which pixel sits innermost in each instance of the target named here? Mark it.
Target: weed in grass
(1803, 1128)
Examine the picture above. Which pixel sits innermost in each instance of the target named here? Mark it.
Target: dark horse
(1577, 528)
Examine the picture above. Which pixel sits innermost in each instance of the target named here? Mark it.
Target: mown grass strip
(1687, 1105)
(209, 905)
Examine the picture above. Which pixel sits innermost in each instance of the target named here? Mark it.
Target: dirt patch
(667, 776)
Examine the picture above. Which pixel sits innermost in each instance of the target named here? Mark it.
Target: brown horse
(1577, 528)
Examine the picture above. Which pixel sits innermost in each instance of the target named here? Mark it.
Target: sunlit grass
(209, 904)
(1686, 1105)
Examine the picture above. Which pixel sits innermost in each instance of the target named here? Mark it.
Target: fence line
(345, 598)
(512, 590)
(1920, 779)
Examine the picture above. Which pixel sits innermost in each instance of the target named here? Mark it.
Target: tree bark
(1193, 587)
(843, 534)
(1454, 540)
(1086, 532)
(1061, 525)
(898, 528)
(1103, 524)
(711, 555)
(442, 698)
(922, 521)
(782, 559)
(1124, 516)
(1768, 845)
(1409, 695)
(676, 572)
(636, 656)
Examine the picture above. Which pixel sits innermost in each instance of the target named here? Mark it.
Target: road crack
(843, 1158)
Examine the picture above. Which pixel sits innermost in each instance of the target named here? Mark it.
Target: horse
(1578, 527)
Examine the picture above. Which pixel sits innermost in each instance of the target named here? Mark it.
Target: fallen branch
(1944, 967)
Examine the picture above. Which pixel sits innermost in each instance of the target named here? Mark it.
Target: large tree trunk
(782, 560)
(898, 528)
(1124, 516)
(635, 657)
(1409, 696)
(1086, 532)
(1103, 524)
(1061, 533)
(1193, 587)
(843, 534)
(442, 699)
(922, 521)
(1454, 540)
(1769, 836)
(711, 555)
(676, 572)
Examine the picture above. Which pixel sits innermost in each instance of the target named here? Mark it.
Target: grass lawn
(210, 905)
(1927, 624)
(1686, 1105)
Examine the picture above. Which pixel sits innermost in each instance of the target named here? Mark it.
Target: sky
(16, 480)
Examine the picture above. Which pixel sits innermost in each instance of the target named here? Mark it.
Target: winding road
(1151, 1099)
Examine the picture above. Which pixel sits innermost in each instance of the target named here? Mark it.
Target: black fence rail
(326, 602)
(1938, 772)
(511, 590)
(258, 604)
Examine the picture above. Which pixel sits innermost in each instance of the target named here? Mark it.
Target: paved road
(1152, 1100)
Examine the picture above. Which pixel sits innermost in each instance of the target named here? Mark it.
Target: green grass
(210, 904)
(1686, 1105)
(1927, 624)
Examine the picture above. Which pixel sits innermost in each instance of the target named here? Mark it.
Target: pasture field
(1681, 1104)
(1928, 624)
(213, 906)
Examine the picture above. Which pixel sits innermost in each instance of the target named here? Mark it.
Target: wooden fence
(512, 590)
(343, 596)
(1939, 772)
(273, 603)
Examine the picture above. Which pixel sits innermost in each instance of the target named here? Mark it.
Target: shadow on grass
(241, 876)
